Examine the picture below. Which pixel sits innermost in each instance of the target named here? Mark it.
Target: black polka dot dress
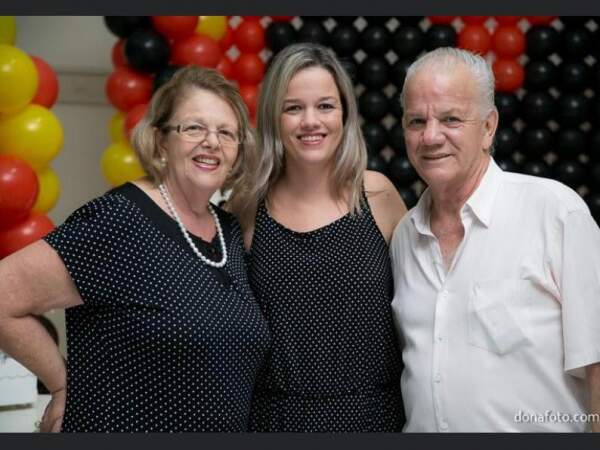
(163, 342)
(335, 364)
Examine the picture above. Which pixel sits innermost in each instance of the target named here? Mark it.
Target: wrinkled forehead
(432, 89)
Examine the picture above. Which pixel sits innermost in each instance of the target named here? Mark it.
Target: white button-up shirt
(500, 341)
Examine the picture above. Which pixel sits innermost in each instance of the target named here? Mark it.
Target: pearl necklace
(165, 195)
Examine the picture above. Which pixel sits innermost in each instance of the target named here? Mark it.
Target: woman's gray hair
(269, 162)
(447, 59)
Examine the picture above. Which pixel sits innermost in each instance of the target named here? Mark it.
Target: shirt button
(437, 378)
(444, 426)
(444, 293)
(439, 338)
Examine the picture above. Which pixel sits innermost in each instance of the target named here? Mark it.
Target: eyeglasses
(195, 132)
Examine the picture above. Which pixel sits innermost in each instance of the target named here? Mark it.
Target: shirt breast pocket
(498, 313)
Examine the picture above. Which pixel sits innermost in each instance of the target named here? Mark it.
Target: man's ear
(490, 125)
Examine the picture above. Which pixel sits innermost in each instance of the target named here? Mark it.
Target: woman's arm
(387, 206)
(33, 281)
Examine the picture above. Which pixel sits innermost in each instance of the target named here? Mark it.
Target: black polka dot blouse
(335, 363)
(163, 342)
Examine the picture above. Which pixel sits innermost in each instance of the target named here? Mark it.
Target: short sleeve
(578, 246)
(95, 244)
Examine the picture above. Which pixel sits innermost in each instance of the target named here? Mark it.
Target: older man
(497, 274)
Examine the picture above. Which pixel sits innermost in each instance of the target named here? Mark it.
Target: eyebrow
(297, 100)
(201, 121)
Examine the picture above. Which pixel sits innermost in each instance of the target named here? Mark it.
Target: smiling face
(446, 136)
(192, 163)
(311, 122)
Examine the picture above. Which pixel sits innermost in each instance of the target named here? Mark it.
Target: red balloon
(225, 66)
(440, 20)
(126, 88)
(475, 38)
(282, 18)
(540, 20)
(47, 90)
(175, 27)
(509, 74)
(474, 20)
(507, 20)
(133, 116)
(508, 41)
(249, 68)
(227, 40)
(118, 54)
(19, 189)
(197, 49)
(253, 18)
(249, 36)
(249, 93)
(34, 227)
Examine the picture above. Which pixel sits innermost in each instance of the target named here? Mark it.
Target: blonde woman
(317, 226)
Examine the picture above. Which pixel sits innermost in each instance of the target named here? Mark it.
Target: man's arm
(592, 373)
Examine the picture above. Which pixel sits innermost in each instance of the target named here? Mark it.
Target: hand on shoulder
(387, 206)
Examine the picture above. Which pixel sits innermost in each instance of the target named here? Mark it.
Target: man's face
(446, 136)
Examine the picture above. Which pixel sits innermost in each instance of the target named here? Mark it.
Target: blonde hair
(163, 103)
(268, 161)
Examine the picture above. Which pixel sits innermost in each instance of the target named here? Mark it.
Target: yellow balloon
(116, 127)
(213, 26)
(18, 79)
(49, 190)
(120, 164)
(8, 30)
(33, 134)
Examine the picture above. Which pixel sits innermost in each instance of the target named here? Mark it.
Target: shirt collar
(481, 202)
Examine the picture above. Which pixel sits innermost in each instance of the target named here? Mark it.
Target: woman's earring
(163, 161)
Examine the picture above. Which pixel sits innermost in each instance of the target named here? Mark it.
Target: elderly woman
(162, 328)
(317, 226)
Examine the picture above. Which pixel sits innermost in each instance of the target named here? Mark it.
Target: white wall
(78, 48)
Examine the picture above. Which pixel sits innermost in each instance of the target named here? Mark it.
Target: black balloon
(537, 141)
(593, 201)
(537, 168)
(594, 147)
(538, 107)
(541, 41)
(373, 105)
(124, 26)
(570, 172)
(408, 42)
(377, 163)
(373, 72)
(574, 21)
(409, 196)
(346, 20)
(398, 72)
(573, 109)
(506, 141)
(147, 50)
(163, 75)
(440, 36)
(508, 106)
(351, 68)
(507, 164)
(396, 106)
(594, 176)
(595, 111)
(571, 142)
(375, 40)
(377, 20)
(401, 171)
(313, 31)
(396, 139)
(540, 74)
(410, 20)
(574, 76)
(345, 40)
(576, 43)
(375, 136)
(279, 35)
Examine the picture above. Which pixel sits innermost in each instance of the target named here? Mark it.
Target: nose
(211, 139)
(432, 134)
(310, 118)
